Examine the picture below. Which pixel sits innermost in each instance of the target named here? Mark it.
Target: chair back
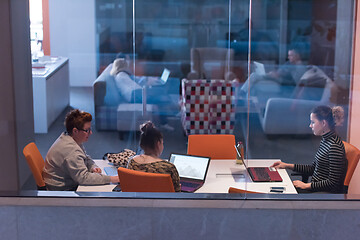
(238, 190)
(354, 184)
(220, 146)
(36, 163)
(137, 181)
(207, 106)
(352, 156)
(211, 63)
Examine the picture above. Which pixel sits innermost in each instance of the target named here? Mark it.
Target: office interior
(163, 38)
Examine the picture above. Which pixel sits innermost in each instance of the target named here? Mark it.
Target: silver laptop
(192, 170)
(154, 81)
(259, 68)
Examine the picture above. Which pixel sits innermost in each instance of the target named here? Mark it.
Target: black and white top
(329, 168)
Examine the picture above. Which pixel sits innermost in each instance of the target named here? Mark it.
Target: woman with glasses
(67, 165)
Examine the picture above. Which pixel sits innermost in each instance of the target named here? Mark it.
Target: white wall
(72, 35)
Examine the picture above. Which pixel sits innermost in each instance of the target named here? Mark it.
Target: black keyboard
(189, 184)
(261, 174)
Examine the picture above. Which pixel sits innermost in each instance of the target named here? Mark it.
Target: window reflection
(270, 114)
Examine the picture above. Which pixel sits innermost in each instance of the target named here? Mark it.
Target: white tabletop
(221, 175)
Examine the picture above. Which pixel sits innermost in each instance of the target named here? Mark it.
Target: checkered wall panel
(207, 107)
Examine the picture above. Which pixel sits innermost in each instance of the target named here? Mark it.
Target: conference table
(221, 175)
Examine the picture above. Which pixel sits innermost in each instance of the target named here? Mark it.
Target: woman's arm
(282, 165)
(175, 178)
(337, 171)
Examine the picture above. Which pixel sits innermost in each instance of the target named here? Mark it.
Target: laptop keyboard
(261, 173)
(111, 171)
(189, 184)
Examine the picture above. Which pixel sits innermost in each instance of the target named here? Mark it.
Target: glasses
(86, 130)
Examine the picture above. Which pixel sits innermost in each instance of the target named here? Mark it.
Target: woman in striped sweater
(329, 168)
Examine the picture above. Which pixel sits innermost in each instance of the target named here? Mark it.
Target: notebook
(192, 170)
(262, 174)
(259, 68)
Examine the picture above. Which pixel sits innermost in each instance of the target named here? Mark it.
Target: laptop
(164, 76)
(192, 170)
(153, 81)
(262, 174)
(259, 68)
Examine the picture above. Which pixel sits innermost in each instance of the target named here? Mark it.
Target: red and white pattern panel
(207, 107)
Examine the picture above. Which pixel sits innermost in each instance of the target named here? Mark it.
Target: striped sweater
(329, 168)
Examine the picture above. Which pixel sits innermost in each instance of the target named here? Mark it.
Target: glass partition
(251, 68)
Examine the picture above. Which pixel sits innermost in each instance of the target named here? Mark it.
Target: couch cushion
(313, 77)
(128, 88)
(311, 85)
(130, 116)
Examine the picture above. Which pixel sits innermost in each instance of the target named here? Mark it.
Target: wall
(354, 126)
(177, 219)
(16, 118)
(67, 19)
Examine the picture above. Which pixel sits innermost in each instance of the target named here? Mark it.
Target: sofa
(290, 115)
(119, 105)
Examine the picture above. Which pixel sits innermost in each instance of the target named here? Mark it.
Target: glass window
(253, 68)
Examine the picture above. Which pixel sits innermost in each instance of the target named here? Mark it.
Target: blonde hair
(338, 115)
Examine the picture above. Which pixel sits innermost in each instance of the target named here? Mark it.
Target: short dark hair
(76, 119)
(149, 136)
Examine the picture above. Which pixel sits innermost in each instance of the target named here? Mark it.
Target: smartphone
(277, 189)
(117, 188)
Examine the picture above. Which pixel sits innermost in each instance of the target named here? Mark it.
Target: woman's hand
(114, 179)
(96, 170)
(282, 165)
(302, 185)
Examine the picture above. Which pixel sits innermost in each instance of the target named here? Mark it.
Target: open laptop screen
(259, 68)
(188, 166)
(165, 75)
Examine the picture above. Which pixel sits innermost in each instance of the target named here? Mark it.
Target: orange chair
(36, 164)
(352, 156)
(354, 184)
(137, 181)
(219, 146)
(238, 190)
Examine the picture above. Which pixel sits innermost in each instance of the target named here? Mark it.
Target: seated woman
(67, 165)
(329, 168)
(151, 141)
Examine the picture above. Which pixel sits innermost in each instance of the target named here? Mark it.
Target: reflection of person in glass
(121, 72)
(151, 141)
(67, 165)
(329, 168)
(288, 74)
